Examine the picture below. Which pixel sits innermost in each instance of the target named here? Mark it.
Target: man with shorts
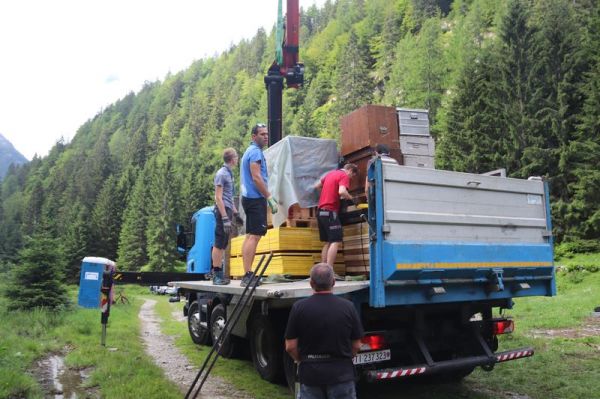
(255, 197)
(224, 213)
(323, 335)
(333, 186)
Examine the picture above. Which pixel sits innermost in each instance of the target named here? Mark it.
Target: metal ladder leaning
(259, 271)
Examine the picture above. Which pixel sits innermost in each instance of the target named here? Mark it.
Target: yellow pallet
(282, 239)
(295, 264)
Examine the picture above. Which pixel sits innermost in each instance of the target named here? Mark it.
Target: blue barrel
(199, 257)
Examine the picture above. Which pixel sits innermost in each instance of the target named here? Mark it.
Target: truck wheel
(200, 334)
(266, 341)
(218, 318)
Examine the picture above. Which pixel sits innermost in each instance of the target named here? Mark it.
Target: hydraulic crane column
(274, 83)
(285, 66)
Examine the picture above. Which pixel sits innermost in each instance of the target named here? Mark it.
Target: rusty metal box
(368, 126)
(361, 159)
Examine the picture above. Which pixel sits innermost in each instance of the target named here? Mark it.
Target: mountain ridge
(9, 155)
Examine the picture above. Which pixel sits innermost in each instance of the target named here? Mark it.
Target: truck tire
(200, 335)
(266, 341)
(218, 318)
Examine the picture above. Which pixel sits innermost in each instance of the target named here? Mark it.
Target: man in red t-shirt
(333, 186)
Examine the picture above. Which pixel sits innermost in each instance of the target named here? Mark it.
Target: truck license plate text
(372, 357)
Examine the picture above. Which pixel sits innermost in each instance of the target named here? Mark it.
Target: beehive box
(368, 126)
(294, 264)
(356, 248)
(282, 239)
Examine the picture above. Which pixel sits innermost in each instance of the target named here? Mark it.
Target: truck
(448, 254)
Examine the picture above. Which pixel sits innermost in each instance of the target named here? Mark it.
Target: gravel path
(175, 365)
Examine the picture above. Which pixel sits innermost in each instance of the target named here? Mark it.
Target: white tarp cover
(295, 164)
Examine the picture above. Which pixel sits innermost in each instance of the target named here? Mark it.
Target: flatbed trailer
(446, 249)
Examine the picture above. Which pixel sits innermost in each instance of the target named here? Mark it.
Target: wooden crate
(361, 159)
(356, 248)
(368, 126)
(297, 217)
(282, 239)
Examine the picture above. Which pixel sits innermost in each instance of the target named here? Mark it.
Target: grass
(561, 367)
(121, 370)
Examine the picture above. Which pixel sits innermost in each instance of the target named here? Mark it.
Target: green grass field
(563, 366)
(121, 370)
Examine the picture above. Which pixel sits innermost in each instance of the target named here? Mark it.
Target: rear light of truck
(372, 342)
(503, 326)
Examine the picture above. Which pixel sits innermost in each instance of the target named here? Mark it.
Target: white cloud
(62, 61)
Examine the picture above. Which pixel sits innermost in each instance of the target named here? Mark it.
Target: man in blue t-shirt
(225, 211)
(255, 197)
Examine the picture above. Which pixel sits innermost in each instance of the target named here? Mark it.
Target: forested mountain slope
(511, 84)
(9, 156)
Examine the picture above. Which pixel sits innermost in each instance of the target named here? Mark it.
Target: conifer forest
(509, 84)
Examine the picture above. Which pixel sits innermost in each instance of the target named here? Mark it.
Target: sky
(63, 61)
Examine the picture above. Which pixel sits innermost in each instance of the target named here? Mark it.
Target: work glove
(238, 219)
(272, 204)
(226, 225)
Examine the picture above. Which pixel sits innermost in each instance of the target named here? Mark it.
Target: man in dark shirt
(323, 334)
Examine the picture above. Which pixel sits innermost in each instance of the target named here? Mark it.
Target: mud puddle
(61, 382)
(589, 328)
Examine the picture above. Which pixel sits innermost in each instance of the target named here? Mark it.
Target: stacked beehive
(362, 130)
(356, 248)
(295, 249)
(416, 144)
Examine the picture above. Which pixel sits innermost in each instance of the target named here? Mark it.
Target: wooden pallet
(310, 223)
(294, 264)
(282, 239)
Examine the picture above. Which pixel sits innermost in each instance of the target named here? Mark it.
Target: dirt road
(174, 363)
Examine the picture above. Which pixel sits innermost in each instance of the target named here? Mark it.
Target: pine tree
(33, 207)
(132, 253)
(76, 242)
(160, 234)
(519, 85)
(418, 70)
(36, 280)
(106, 220)
(474, 141)
(354, 85)
(582, 212)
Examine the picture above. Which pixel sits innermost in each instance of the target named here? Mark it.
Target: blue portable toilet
(90, 280)
(200, 254)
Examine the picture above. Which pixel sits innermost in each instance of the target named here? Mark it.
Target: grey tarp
(295, 164)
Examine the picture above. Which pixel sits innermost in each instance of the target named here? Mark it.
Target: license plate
(372, 357)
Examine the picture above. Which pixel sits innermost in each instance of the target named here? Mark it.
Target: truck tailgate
(444, 236)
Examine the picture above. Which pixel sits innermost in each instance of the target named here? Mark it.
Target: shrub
(36, 280)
